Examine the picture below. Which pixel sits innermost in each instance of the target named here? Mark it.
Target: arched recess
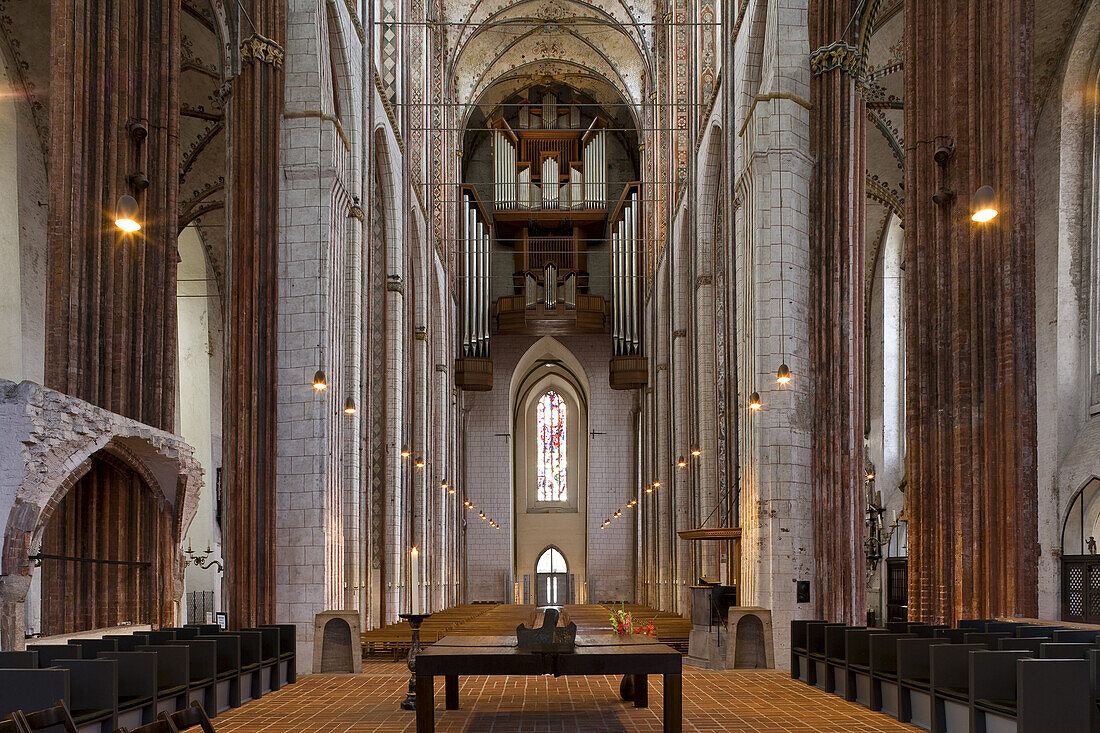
(544, 521)
(1080, 561)
(112, 479)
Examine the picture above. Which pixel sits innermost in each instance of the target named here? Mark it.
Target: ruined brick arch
(51, 467)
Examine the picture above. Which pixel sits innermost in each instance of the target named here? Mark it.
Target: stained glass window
(551, 440)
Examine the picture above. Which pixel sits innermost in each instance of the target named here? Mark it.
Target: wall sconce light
(681, 463)
(349, 406)
(754, 400)
(783, 375)
(405, 452)
(649, 489)
(319, 381)
(126, 214)
(983, 207)
(420, 463)
(695, 451)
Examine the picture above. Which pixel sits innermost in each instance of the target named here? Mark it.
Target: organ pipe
(485, 291)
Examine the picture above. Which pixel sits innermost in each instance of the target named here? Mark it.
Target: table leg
(674, 717)
(451, 690)
(641, 691)
(425, 704)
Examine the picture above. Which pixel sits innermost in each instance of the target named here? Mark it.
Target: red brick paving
(713, 701)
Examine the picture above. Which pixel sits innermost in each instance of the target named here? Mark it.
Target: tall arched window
(551, 444)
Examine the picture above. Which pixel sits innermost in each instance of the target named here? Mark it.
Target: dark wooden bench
(137, 686)
(288, 655)
(993, 686)
(815, 647)
(1028, 643)
(949, 680)
(800, 658)
(883, 662)
(172, 672)
(229, 669)
(1064, 650)
(32, 689)
(47, 653)
(202, 673)
(914, 680)
(93, 693)
(269, 658)
(19, 660)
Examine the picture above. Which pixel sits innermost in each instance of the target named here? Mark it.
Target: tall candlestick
(415, 580)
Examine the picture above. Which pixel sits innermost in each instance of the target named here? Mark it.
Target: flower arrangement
(624, 623)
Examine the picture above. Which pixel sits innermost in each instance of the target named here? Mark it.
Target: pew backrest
(93, 683)
(1064, 650)
(1028, 630)
(993, 674)
(269, 643)
(19, 660)
(229, 652)
(815, 637)
(1029, 644)
(92, 647)
(137, 673)
(952, 636)
(203, 658)
(32, 689)
(882, 652)
(913, 657)
(834, 640)
(986, 638)
(47, 653)
(287, 638)
(1053, 695)
(173, 664)
(949, 665)
(1075, 636)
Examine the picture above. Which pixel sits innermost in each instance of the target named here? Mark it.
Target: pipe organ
(626, 244)
(475, 281)
(554, 165)
(551, 207)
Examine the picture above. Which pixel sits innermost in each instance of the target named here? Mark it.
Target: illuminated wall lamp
(983, 206)
(320, 382)
(126, 214)
(349, 406)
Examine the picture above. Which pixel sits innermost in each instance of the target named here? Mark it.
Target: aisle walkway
(713, 701)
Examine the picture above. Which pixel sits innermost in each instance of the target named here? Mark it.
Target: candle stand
(414, 619)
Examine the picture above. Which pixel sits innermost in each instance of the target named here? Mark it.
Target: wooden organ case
(551, 208)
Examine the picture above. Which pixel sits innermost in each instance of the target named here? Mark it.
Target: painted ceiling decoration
(602, 48)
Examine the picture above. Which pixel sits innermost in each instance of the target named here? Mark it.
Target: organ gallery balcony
(515, 316)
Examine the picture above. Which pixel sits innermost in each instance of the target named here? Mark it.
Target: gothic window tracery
(552, 416)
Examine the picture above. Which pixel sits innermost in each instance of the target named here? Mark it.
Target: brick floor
(713, 701)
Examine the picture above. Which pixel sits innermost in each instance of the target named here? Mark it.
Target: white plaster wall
(197, 298)
(22, 236)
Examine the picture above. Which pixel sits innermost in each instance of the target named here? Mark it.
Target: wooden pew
(93, 693)
(229, 670)
(173, 665)
(126, 642)
(250, 652)
(182, 632)
(50, 718)
(47, 653)
(987, 638)
(952, 636)
(883, 663)
(32, 689)
(835, 662)
(1029, 644)
(815, 647)
(857, 669)
(269, 659)
(914, 680)
(993, 688)
(1027, 630)
(949, 678)
(1053, 695)
(202, 673)
(19, 660)
(91, 647)
(1064, 650)
(288, 667)
(800, 658)
(1075, 636)
(137, 686)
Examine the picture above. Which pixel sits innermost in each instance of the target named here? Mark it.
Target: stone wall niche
(749, 638)
(336, 647)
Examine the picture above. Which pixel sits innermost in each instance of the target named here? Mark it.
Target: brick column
(111, 297)
(837, 119)
(970, 339)
(250, 398)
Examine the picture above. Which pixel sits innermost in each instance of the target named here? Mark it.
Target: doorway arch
(552, 578)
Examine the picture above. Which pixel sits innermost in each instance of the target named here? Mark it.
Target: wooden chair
(189, 717)
(58, 714)
(15, 723)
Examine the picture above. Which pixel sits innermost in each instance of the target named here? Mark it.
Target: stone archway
(50, 442)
